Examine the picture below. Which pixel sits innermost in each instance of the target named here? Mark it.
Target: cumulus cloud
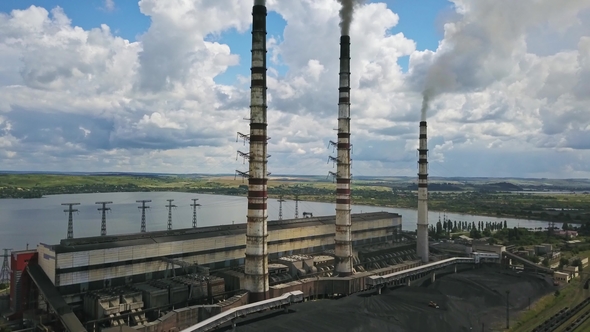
(483, 45)
(503, 97)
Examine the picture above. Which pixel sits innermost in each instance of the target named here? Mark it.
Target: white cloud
(510, 104)
(109, 5)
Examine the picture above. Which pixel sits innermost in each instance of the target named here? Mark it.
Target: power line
(195, 205)
(70, 211)
(170, 206)
(143, 207)
(103, 224)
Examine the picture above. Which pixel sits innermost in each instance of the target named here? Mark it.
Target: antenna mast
(143, 207)
(296, 206)
(103, 224)
(70, 210)
(195, 205)
(170, 206)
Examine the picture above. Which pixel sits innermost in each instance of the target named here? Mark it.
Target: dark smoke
(346, 15)
(259, 2)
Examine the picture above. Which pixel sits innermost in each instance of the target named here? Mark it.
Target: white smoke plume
(346, 15)
(480, 46)
(425, 104)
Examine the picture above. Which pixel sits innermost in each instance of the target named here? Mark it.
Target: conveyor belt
(55, 300)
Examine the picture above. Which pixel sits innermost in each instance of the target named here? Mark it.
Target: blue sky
(419, 21)
(76, 99)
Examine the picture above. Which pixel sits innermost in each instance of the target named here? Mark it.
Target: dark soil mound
(466, 300)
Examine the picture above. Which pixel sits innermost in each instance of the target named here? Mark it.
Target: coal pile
(466, 300)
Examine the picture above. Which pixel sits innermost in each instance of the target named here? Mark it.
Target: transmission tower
(103, 224)
(70, 211)
(5, 273)
(143, 207)
(296, 206)
(195, 205)
(170, 206)
(281, 200)
(551, 229)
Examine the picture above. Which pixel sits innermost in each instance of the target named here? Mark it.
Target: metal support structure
(195, 205)
(256, 262)
(281, 200)
(296, 206)
(170, 206)
(5, 272)
(103, 224)
(143, 207)
(422, 236)
(70, 211)
(343, 236)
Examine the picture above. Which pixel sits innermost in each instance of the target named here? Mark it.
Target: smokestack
(422, 246)
(256, 267)
(343, 237)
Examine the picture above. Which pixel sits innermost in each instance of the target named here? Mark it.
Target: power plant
(200, 278)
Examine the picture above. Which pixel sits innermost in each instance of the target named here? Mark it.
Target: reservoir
(43, 220)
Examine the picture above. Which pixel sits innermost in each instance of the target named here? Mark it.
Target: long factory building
(76, 266)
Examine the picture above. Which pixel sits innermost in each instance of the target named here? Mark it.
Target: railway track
(565, 315)
(577, 321)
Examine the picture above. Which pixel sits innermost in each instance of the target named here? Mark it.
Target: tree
(562, 262)
(534, 259)
(505, 224)
(578, 262)
(546, 262)
(565, 226)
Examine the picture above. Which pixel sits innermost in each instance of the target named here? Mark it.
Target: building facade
(85, 264)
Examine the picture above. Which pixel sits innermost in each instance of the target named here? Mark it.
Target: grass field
(544, 308)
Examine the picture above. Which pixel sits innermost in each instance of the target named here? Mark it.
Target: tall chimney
(256, 267)
(343, 237)
(422, 248)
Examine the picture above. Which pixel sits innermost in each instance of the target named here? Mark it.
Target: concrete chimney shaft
(343, 236)
(256, 263)
(422, 244)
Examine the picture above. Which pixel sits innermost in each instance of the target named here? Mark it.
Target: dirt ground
(466, 300)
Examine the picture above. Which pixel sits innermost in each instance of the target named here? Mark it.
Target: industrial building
(101, 278)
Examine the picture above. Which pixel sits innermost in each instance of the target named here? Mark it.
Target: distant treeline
(495, 199)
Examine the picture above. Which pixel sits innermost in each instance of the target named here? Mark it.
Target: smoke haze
(478, 46)
(425, 105)
(346, 15)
